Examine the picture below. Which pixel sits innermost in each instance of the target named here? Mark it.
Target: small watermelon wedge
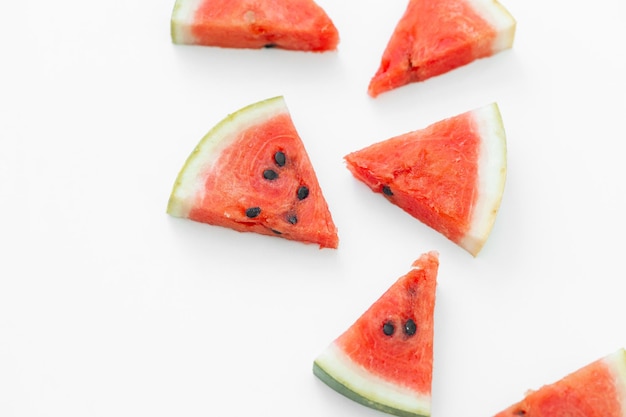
(449, 175)
(251, 173)
(300, 25)
(385, 359)
(595, 390)
(434, 37)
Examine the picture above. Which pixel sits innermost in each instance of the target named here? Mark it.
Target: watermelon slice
(251, 173)
(288, 24)
(595, 390)
(434, 37)
(385, 359)
(449, 175)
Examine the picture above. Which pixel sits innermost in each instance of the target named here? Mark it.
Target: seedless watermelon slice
(287, 24)
(595, 390)
(449, 175)
(385, 359)
(251, 173)
(434, 37)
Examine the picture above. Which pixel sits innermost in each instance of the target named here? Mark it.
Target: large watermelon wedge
(251, 173)
(449, 175)
(434, 37)
(595, 390)
(385, 359)
(288, 24)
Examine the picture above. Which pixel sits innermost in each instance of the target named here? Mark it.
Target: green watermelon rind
(339, 372)
(492, 170)
(500, 20)
(616, 363)
(190, 180)
(181, 21)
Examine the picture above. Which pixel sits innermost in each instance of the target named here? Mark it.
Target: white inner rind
(491, 176)
(357, 379)
(182, 18)
(499, 19)
(617, 364)
(191, 179)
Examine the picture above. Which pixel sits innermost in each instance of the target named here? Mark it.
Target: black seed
(277, 232)
(270, 45)
(270, 174)
(303, 192)
(388, 328)
(252, 212)
(280, 159)
(292, 218)
(410, 327)
(387, 190)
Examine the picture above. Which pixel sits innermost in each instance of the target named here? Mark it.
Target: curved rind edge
(500, 19)
(617, 364)
(181, 21)
(491, 176)
(189, 180)
(331, 367)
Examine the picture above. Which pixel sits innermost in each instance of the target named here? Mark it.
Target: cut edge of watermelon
(499, 19)
(492, 167)
(617, 365)
(182, 18)
(340, 373)
(190, 179)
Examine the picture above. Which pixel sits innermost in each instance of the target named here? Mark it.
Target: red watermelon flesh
(385, 359)
(595, 390)
(251, 173)
(434, 37)
(449, 175)
(288, 24)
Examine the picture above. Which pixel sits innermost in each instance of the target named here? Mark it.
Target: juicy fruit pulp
(287, 24)
(595, 390)
(251, 173)
(449, 175)
(385, 359)
(434, 37)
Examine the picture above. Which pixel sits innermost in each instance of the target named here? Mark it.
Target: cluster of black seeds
(409, 328)
(271, 174)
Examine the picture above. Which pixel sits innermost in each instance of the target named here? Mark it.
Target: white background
(110, 307)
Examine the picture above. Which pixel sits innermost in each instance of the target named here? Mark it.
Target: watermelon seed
(303, 192)
(388, 328)
(292, 218)
(252, 212)
(280, 159)
(270, 174)
(410, 327)
(387, 190)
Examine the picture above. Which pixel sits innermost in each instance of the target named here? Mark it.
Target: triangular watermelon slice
(288, 24)
(385, 359)
(251, 173)
(449, 175)
(434, 37)
(595, 390)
